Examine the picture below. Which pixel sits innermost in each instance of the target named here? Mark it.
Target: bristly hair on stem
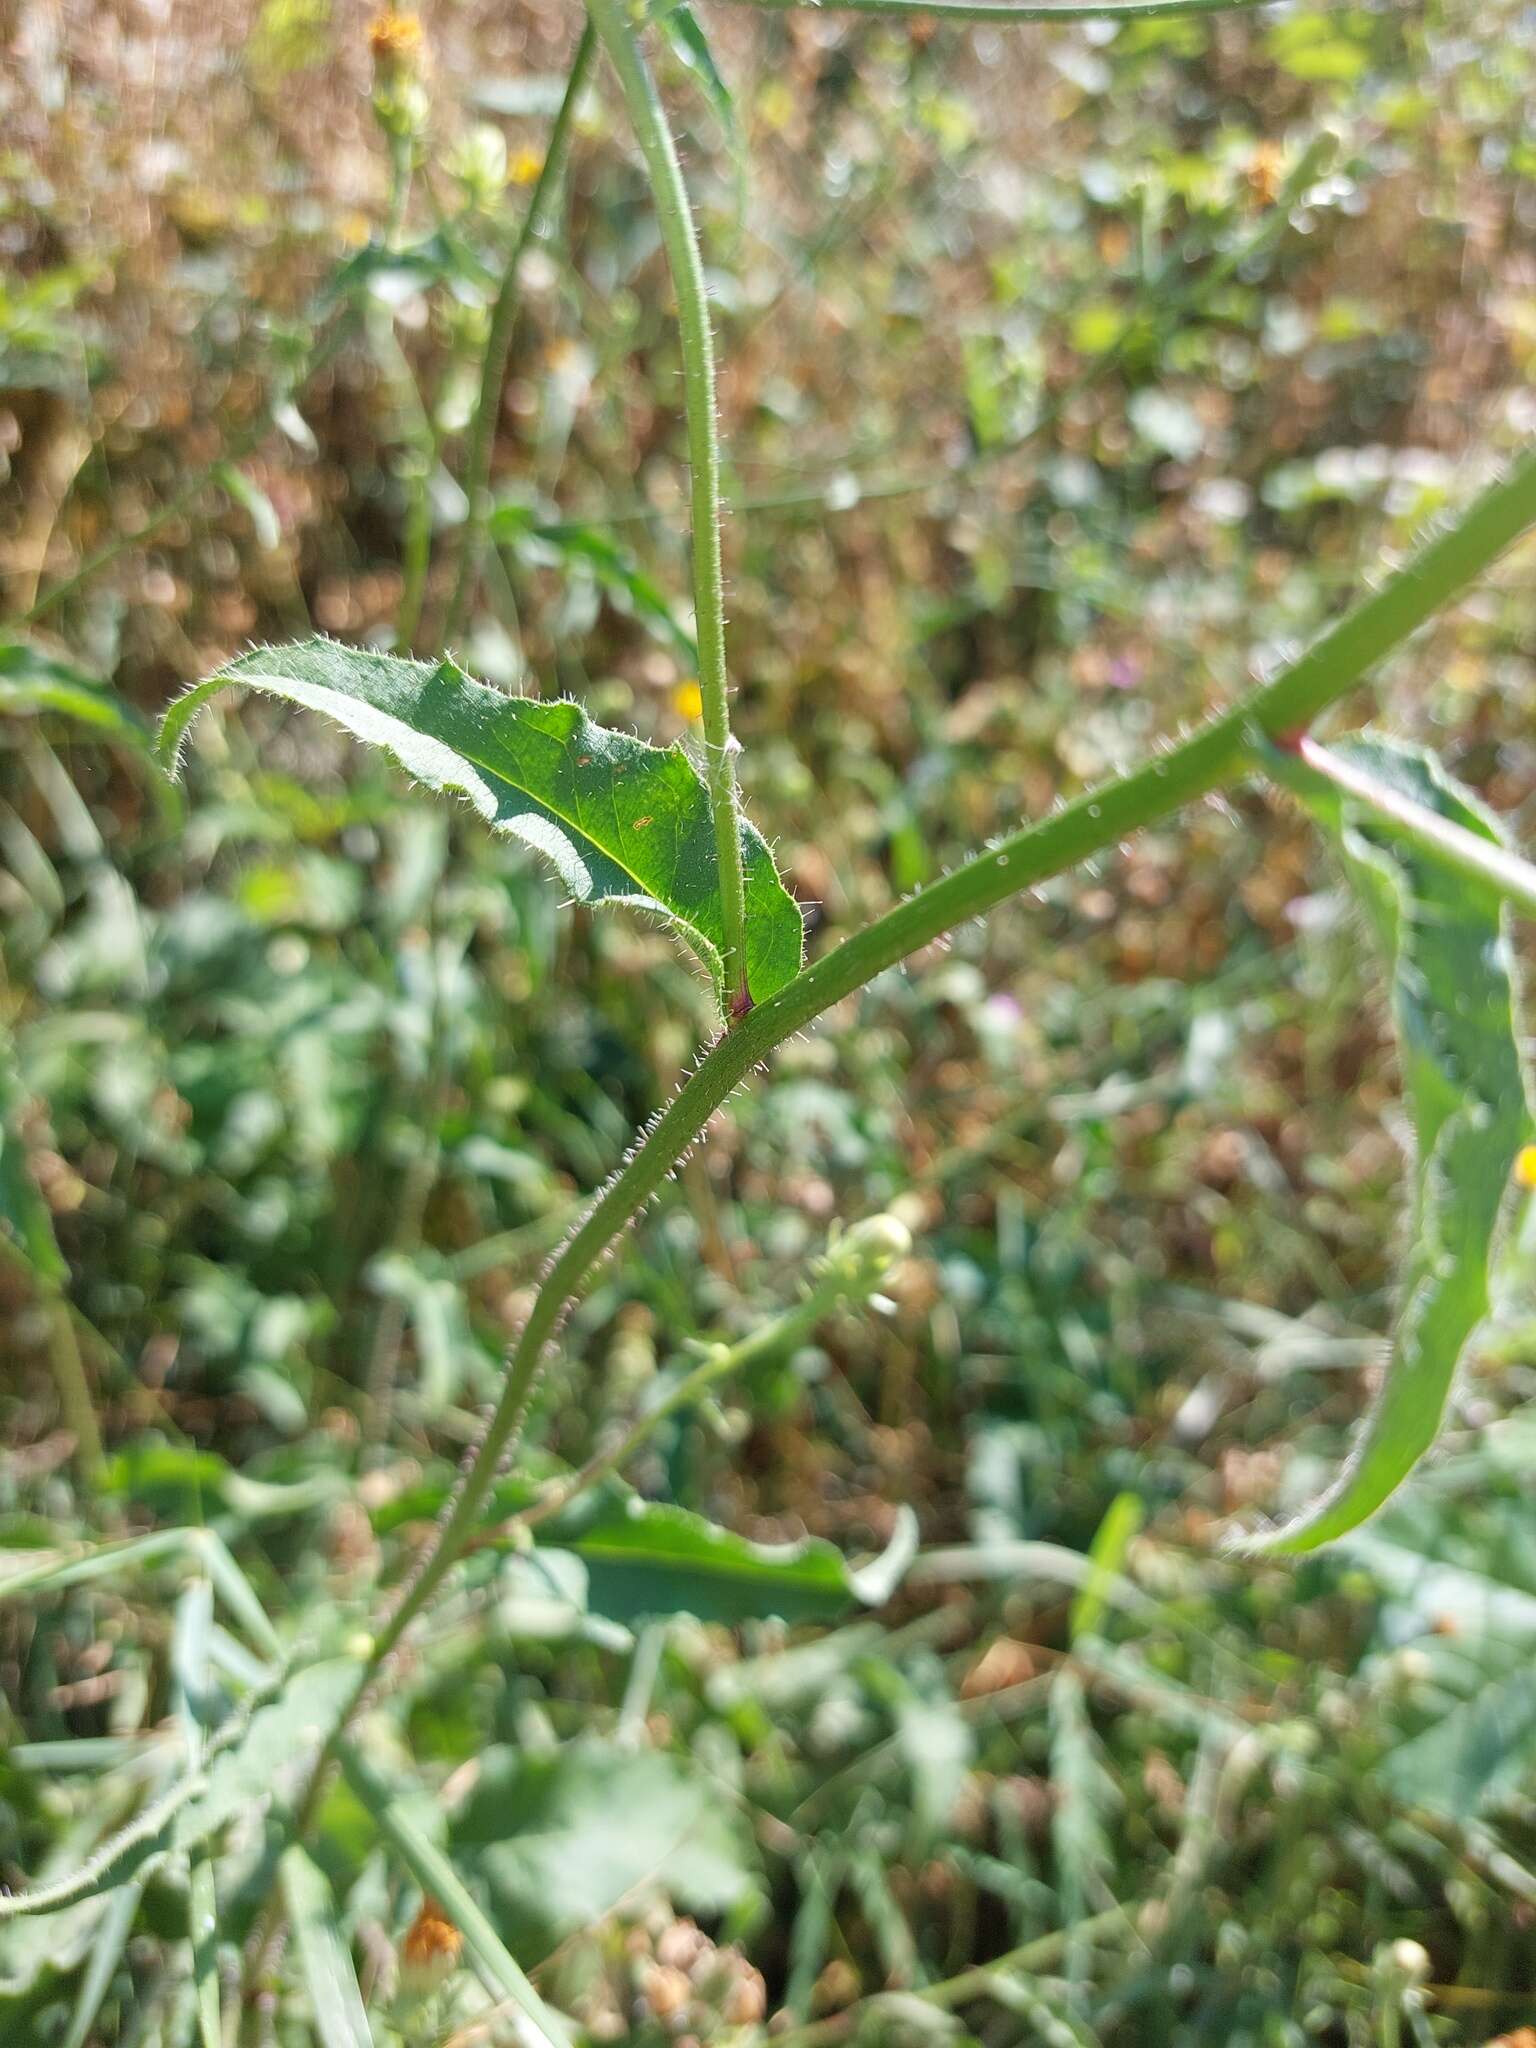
(1219, 752)
(615, 30)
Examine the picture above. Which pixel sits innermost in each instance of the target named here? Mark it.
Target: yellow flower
(688, 702)
(524, 167)
(1525, 1166)
(395, 38)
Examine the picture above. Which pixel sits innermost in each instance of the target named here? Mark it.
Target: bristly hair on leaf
(619, 820)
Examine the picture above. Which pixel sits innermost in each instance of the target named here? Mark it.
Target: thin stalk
(420, 431)
(851, 1272)
(108, 553)
(420, 438)
(498, 340)
(1215, 753)
(1485, 860)
(680, 240)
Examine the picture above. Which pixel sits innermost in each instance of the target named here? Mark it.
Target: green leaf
(1087, 1800)
(194, 1697)
(1106, 1555)
(494, 1963)
(392, 274)
(295, 1724)
(24, 1216)
(111, 1938)
(249, 1754)
(678, 24)
(560, 1837)
(336, 2004)
(613, 566)
(31, 1572)
(1440, 925)
(255, 503)
(647, 1558)
(203, 1926)
(32, 682)
(1481, 1748)
(621, 822)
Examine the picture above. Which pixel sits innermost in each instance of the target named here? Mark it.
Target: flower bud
(430, 1952)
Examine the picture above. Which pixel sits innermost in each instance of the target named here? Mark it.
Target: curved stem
(681, 242)
(498, 340)
(849, 1274)
(1216, 753)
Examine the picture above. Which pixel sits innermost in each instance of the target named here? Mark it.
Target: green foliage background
(1051, 414)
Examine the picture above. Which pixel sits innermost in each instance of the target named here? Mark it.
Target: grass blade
(106, 1952)
(324, 1957)
(494, 1963)
(203, 1922)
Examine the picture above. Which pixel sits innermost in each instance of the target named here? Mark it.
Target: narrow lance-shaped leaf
(1441, 928)
(335, 2001)
(679, 25)
(203, 1926)
(611, 565)
(33, 682)
(107, 1947)
(621, 821)
(649, 1558)
(494, 1963)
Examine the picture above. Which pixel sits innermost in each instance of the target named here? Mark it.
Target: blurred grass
(310, 1086)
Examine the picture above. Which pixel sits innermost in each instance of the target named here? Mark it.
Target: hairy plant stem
(498, 340)
(1216, 753)
(611, 20)
(850, 1273)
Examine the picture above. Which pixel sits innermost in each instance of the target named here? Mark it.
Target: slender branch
(1020, 10)
(1468, 852)
(681, 242)
(498, 340)
(1215, 753)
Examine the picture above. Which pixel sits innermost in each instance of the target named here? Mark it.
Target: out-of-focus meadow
(1070, 376)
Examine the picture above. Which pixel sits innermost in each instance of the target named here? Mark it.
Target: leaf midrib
(498, 775)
